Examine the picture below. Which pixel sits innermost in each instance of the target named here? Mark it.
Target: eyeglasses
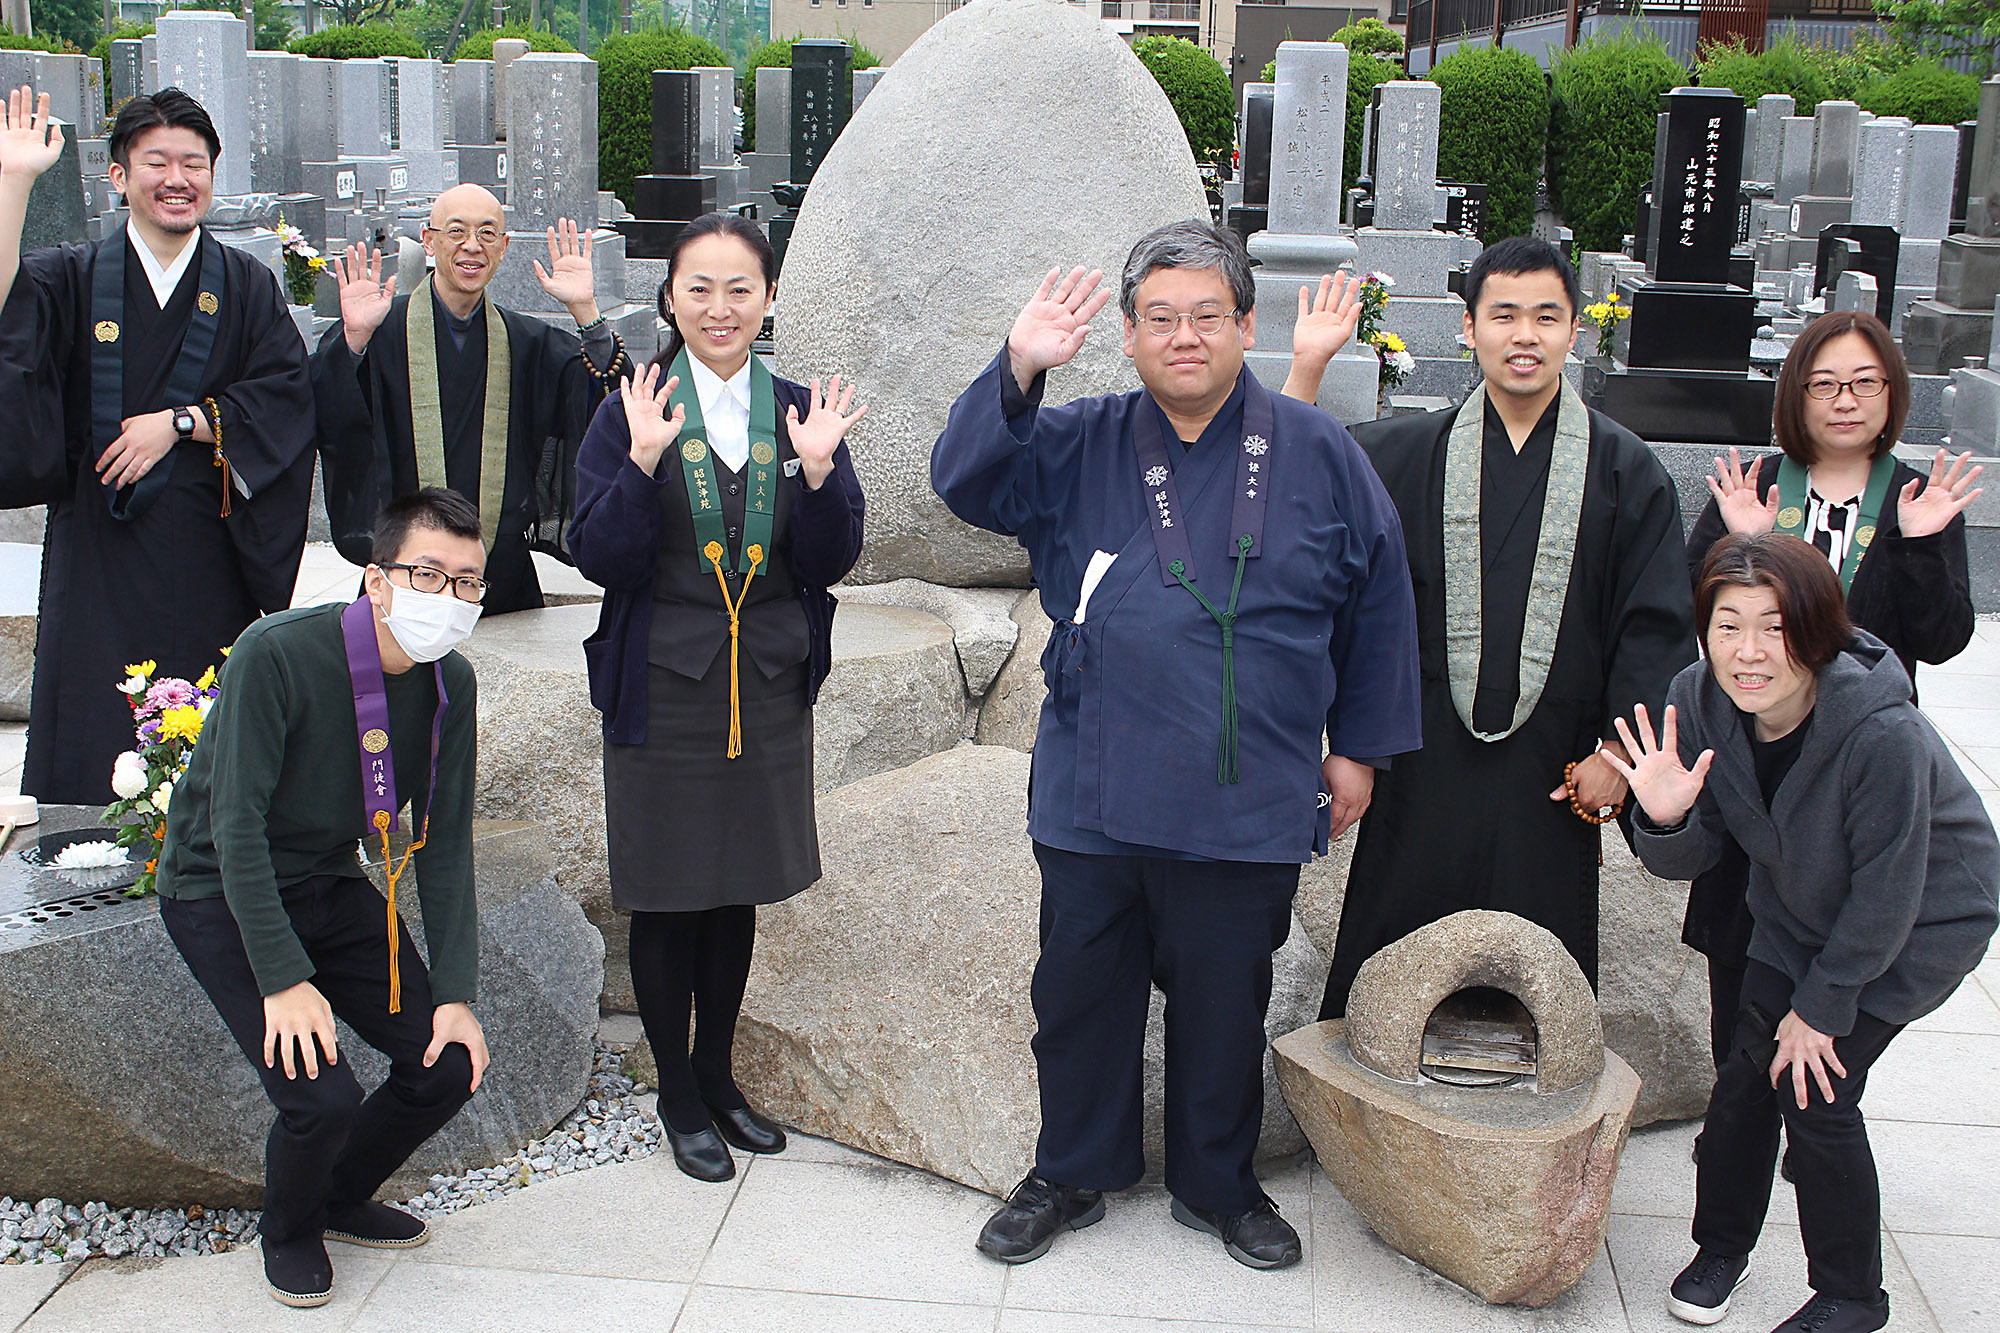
(425, 579)
(457, 235)
(1868, 386)
(1162, 323)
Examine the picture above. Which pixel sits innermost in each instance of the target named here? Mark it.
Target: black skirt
(689, 829)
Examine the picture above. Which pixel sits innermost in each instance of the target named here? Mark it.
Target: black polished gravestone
(1686, 348)
(1464, 207)
(1642, 226)
(822, 101)
(1254, 213)
(1856, 247)
(676, 192)
(1961, 181)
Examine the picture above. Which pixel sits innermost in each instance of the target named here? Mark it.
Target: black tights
(693, 964)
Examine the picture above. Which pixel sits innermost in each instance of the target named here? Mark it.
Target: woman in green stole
(716, 505)
(1896, 540)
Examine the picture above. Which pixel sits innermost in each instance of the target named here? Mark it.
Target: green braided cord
(1226, 769)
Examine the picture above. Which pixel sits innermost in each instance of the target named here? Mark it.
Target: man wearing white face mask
(330, 719)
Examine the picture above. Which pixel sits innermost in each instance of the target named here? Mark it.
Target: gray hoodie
(1873, 878)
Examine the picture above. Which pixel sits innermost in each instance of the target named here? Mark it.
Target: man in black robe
(384, 368)
(1531, 640)
(155, 395)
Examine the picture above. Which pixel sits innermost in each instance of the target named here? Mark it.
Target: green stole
(760, 506)
(427, 413)
(1555, 554)
(1793, 482)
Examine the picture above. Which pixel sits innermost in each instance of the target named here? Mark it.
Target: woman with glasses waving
(716, 505)
(1895, 538)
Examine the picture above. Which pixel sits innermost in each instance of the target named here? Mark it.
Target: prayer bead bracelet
(1587, 816)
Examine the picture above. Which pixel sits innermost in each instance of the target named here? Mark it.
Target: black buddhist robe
(367, 445)
(179, 582)
(1465, 823)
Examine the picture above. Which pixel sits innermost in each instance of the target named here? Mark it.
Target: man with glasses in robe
(440, 387)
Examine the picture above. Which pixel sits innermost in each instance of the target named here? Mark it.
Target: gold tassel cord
(735, 608)
(395, 869)
(215, 427)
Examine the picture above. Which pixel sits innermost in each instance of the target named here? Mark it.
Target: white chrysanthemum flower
(128, 775)
(162, 795)
(90, 856)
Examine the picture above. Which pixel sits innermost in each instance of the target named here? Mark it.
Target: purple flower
(149, 731)
(170, 692)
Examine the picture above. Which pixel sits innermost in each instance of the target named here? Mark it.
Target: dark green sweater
(272, 796)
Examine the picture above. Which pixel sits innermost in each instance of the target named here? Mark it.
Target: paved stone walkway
(824, 1238)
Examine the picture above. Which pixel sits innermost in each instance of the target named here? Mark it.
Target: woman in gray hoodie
(1873, 877)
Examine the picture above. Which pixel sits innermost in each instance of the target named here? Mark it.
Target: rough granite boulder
(981, 628)
(20, 585)
(1012, 708)
(894, 696)
(918, 244)
(1652, 989)
(118, 1082)
(888, 1004)
(1506, 1190)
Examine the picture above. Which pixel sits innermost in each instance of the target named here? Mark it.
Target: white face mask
(427, 625)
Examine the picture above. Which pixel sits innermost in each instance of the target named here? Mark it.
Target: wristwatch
(183, 424)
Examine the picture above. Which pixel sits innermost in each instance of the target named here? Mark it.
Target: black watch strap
(184, 423)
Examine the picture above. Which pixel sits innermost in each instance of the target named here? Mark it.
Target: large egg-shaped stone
(1014, 136)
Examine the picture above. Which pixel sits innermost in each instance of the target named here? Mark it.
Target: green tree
(777, 54)
(1493, 123)
(1945, 29)
(1198, 88)
(77, 22)
(625, 65)
(14, 41)
(1604, 100)
(353, 13)
(363, 42)
(1927, 93)
(1786, 66)
(1369, 36)
(127, 32)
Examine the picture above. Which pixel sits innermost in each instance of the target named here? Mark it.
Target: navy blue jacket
(615, 538)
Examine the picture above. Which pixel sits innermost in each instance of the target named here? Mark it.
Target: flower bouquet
(1607, 315)
(167, 716)
(1390, 351)
(303, 264)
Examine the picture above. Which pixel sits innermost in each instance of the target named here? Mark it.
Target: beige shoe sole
(298, 1301)
(376, 1243)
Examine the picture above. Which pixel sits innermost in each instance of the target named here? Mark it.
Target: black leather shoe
(1033, 1215)
(377, 1226)
(1258, 1238)
(298, 1272)
(701, 1155)
(743, 1128)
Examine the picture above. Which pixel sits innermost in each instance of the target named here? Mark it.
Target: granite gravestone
(1939, 334)
(1860, 247)
(424, 115)
(1767, 145)
(864, 83)
(1795, 149)
(150, 46)
(770, 159)
(1406, 139)
(1401, 238)
(1308, 138)
(822, 101)
(506, 50)
(273, 107)
(1968, 139)
(207, 55)
(363, 124)
(1880, 165)
(1254, 213)
(75, 85)
(316, 127)
(677, 191)
(1836, 140)
(1697, 207)
(472, 101)
(552, 137)
(55, 201)
(718, 134)
(128, 70)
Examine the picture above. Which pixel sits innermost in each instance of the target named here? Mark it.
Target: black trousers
(1112, 927)
(329, 1146)
(1840, 1201)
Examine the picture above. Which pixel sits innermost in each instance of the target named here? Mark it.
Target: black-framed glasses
(1825, 386)
(423, 578)
(1162, 323)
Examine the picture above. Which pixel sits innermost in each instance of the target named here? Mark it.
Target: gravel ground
(612, 1125)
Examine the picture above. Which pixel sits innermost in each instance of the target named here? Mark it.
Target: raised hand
(365, 297)
(1947, 495)
(646, 419)
(1326, 319)
(827, 423)
(1051, 328)
(569, 277)
(1734, 487)
(1663, 785)
(30, 142)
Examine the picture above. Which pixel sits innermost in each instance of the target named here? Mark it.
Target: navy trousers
(1112, 927)
(329, 1146)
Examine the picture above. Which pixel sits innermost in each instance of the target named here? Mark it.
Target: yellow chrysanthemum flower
(180, 724)
(145, 668)
(207, 679)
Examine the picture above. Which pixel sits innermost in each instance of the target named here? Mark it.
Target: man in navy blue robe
(1228, 586)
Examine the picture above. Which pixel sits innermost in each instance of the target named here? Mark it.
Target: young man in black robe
(440, 387)
(1544, 542)
(155, 396)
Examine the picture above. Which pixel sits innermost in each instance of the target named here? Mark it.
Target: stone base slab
(1975, 413)
(1938, 337)
(1347, 392)
(1504, 1191)
(1418, 260)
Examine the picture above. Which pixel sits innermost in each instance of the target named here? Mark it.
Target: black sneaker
(1700, 1295)
(1034, 1214)
(377, 1226)
(298, 1272)
(1258, 1238)
(1830, 1314)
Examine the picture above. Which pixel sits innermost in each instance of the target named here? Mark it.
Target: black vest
(690, 624)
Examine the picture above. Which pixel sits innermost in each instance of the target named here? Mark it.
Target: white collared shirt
(165, 280)
(725, 411)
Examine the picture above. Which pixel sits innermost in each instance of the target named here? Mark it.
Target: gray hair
(1189, 244)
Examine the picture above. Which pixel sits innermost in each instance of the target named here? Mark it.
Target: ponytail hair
(709, 224)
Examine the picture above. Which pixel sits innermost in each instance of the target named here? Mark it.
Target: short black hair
(433, 507)
(169, 107)
(1517, 255)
